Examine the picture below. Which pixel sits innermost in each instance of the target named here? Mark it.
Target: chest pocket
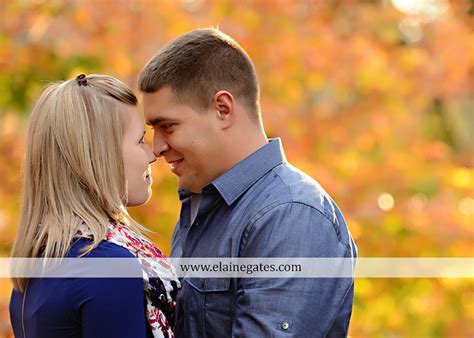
(217, 298)
(206, 285)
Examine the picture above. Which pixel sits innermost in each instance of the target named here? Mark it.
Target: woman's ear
(223, 105)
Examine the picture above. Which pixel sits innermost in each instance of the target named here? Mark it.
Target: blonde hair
(73, 169)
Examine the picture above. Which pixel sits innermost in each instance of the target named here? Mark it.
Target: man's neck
(242, 146)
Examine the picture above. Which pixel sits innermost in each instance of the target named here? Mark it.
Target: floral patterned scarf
(160, 292)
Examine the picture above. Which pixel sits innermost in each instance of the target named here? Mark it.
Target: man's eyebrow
(159, 120)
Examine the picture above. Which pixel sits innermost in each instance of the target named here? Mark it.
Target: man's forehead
(162, 106)
(157, 115)
(161, 96)
(156, 109)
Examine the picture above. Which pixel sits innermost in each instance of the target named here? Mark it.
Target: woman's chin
(135, 201)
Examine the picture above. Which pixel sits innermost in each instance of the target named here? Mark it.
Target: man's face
(186, 138)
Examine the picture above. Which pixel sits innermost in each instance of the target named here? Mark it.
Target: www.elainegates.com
(245, 268)
(241, 267)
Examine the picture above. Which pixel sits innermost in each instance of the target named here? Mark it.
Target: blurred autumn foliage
(372, 98)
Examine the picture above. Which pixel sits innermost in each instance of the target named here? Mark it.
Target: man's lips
(175, 164)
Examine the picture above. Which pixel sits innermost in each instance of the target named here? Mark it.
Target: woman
(86, 160)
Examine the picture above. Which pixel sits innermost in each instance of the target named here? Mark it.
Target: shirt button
(202, 282)
(285, 326)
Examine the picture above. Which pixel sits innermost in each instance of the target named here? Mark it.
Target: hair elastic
(81, 79)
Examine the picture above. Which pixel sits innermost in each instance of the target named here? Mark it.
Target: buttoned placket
(209, 198)
(185, 219)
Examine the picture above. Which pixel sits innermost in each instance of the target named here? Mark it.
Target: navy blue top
(82, 307)
(263, 207)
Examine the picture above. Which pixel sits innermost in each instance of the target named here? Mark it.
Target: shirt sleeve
(294, 307)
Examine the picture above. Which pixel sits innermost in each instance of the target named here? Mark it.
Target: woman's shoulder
(104, 249)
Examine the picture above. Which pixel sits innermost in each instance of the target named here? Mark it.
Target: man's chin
(189, 187)
(183, 184)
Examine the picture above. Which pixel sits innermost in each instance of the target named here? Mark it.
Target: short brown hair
(198, 64)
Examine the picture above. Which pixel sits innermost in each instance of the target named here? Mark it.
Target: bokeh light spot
(386, 202)
(466, 206)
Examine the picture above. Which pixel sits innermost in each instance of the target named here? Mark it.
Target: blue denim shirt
(263, 207)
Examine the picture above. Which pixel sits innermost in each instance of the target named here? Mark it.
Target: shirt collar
(183, 193)
(233, 183)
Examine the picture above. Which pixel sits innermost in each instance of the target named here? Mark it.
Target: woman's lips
(147, 177)
(149, 180)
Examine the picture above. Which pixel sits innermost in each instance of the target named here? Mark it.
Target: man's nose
(160, 147)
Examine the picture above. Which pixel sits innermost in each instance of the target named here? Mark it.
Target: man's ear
(223, 105)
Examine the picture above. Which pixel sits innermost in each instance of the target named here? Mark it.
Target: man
(240, 197)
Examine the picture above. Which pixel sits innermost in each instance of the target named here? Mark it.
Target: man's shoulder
(286, 184)
(302, 187)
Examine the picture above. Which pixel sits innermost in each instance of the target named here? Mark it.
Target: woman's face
(137, 157)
